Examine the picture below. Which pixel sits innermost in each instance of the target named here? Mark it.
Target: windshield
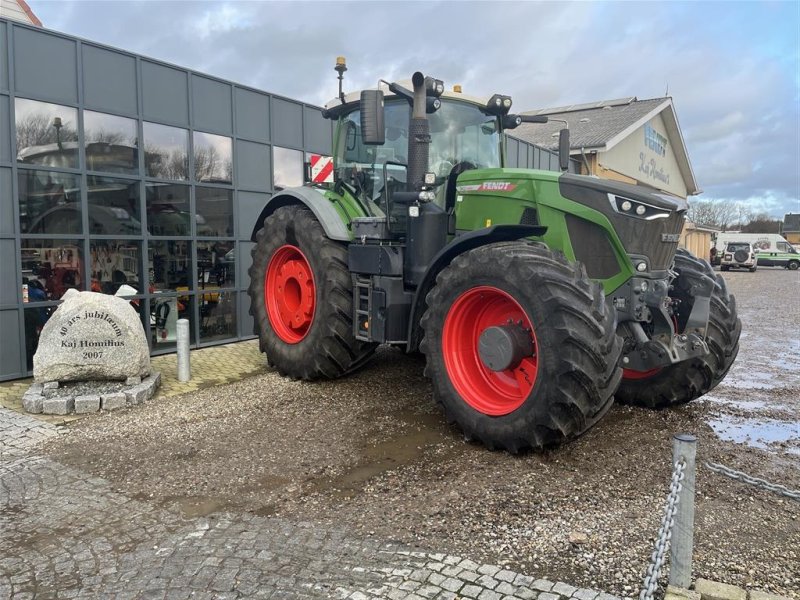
(733, 247)
(460, 133)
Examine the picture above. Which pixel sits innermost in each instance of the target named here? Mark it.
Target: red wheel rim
(494, 393)
(633, 374)
(290, 294)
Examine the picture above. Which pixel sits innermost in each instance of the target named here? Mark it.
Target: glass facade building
(120, 170)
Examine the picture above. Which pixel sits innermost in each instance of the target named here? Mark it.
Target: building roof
(599, 126)
(791, 223)
(19, 11)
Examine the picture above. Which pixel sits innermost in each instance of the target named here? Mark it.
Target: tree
(762, 223)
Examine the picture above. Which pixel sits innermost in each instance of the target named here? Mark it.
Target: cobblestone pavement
(66, 534)
(212, 366)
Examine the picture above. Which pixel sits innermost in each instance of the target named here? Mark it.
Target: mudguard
(459, 245)
(322, 208)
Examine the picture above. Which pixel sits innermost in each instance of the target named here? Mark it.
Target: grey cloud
(738, 112)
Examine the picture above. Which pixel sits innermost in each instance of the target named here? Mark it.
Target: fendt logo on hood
(488, 186)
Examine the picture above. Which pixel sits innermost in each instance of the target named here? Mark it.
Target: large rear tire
(565, 380)
(301, 298)
(690, 379)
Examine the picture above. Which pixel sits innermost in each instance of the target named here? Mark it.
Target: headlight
(626, 206)
(640, 210)
(637, 209)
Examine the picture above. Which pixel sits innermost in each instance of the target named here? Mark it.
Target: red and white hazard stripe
(321, 168)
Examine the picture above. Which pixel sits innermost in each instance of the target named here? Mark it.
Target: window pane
(51, 267)
(217, 316)
(214, 207)
(213, 158)
(216, 265)
(115, 264)
(165, 310)
(49, 202)
(166, 151)
(113, 206)
(170, 265)
(111, 143)
(47, 134)
(168, 209)
(288, 167)
(35, 318)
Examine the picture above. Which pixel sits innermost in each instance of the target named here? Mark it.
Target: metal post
(184, 365)
(684, 446)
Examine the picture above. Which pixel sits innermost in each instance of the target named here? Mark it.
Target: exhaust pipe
(419, 135)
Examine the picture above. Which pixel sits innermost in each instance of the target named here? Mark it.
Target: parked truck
(535, 296)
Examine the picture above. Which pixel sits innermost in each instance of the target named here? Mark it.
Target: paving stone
(542, 585)
(33, 403)
(471, 591)
(757, 595)
(489, 595)
(679, 593)
(60, 405)
(586, 594)
(713, 590)
(505, 575)
(136, 395)
(131, 381)
(50, 385)
(452, 585)
(549, 596)
(114, 401)
(564, 590)
(488, 570)
(505, 588)
(87, 404)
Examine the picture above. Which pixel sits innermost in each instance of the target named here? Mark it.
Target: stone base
(52, 398)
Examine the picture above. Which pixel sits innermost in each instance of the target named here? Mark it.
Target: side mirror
(563, 149)
(373, 132)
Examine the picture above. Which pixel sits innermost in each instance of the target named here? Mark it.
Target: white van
(772, 249)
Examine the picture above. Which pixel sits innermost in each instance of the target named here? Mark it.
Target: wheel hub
(290, 294)
(502, 347)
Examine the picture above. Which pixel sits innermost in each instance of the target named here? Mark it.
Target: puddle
(197, 506)
(750, 405)
(756, 433)
(423, 432)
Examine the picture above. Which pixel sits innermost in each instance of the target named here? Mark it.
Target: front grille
(592, 247)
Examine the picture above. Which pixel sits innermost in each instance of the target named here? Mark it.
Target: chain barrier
(650, 583)
(755, 481)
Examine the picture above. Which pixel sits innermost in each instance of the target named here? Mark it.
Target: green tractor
(535, 296)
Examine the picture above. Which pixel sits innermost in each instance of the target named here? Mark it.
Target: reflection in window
(47, 134)
(168, 209)
(214, 207)
(113, 206)
(170, 265)
(213, 158)
(51, 267)
(114, 264)
(165, 310)
(217, 316)
(49, 202)
(35, 318)
(287, 167)
(166, 151)
(111, 143)
(216, 264)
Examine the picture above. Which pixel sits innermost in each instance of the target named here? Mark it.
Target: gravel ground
(371, 452)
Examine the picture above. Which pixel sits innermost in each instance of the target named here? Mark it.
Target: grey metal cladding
(3, 56)
(7, 222)
(165, 94)
(8, 266)
(45, 66)
(5, 125)
(109, 80)
(211, 105)
(249, 205)
(10, 352)
(253, 166)
(512, 150)
(285, 117)
(252, 115)
(317, 133)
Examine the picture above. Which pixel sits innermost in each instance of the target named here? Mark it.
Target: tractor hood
(647, 222)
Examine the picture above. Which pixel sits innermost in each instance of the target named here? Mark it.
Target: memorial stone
(92, 336)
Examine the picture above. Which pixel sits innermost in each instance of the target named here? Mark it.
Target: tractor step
(362, 301)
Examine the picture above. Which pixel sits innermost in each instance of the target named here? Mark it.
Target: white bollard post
(684, 446)
(184, 364)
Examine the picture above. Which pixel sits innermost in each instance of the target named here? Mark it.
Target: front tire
(301, 298)
(684, 381)
(565, 380)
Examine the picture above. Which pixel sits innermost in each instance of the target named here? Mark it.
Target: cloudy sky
(732, 68)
